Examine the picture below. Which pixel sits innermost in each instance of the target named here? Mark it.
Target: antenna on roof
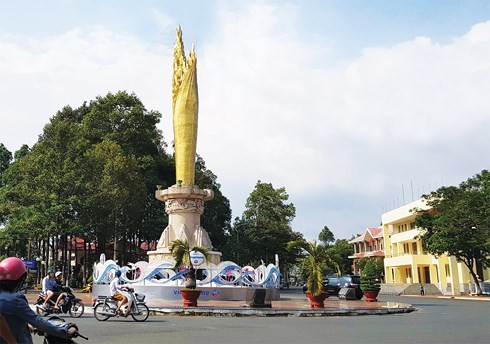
(403, 194)
(411, 187)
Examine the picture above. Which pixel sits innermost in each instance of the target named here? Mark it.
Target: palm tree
(181, 251)
(316, 258)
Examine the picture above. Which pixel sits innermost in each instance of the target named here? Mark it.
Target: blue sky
(341, 102)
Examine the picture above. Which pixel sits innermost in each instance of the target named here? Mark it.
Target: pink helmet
(12, 269)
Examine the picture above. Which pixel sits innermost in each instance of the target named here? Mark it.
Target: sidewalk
(460, 297)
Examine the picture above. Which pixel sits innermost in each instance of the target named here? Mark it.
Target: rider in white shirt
(118, 292)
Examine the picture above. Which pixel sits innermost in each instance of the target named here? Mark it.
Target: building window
(405, 248)
(412, 225)
(414, 248)
(448, 271)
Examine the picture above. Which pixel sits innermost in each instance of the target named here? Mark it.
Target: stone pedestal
(184, 206)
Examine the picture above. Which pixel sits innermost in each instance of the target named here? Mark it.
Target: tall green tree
(42, 188)
(5, 159)
(265, 227)
(340, 252)
(458, 223)
(50, 189)
(326, 236)
(123, 119)
(116, 194)
(93, 173)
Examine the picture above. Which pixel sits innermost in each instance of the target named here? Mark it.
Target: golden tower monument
(185, 107)
(184, 202)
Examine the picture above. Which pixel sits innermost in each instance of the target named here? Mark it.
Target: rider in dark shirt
(15, 311)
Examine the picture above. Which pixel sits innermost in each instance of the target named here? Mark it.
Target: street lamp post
(84, 258)
(238, 241)
(38, 268)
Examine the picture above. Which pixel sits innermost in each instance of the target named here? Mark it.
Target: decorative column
(184, 206)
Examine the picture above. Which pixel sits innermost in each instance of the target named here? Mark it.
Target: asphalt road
(436, 321)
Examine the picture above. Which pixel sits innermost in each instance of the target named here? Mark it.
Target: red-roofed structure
(367, 245)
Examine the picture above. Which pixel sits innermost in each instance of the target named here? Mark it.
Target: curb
(260, 312)
(277, 312)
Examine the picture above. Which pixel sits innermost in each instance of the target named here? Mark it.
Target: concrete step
(429, 288)
(408, 289)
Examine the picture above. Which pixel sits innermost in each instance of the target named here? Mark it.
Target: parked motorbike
(87, 288)
(57, 321)
(105, 307)
(70, 304)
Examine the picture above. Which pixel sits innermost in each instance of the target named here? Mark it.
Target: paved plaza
(437, 320)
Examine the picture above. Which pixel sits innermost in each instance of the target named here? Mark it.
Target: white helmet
(57, 273)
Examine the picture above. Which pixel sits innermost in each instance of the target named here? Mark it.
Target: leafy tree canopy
(264, 228)
(5, 159)
(326, 236)
(458, 222)
(340, 252)
(94, 171)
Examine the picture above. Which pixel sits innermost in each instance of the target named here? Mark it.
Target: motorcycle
(57, 321)
(105, 307)
(70, 304)
(87, 288)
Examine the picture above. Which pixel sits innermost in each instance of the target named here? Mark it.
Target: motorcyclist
(60, 291)
(49, 283)
(118, 292)
(15, 310)
(50, 275)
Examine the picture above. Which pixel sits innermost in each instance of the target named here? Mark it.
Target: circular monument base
(172, 293)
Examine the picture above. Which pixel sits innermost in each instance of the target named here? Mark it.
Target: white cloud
(40, 76)
(417, 110)
(345, 135)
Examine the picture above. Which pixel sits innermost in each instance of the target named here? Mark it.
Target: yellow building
(406, 262)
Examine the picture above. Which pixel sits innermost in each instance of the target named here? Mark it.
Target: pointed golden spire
(185, 109)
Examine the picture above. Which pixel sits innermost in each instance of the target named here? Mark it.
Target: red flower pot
(317, 301)
(190, 297)
(371, 295)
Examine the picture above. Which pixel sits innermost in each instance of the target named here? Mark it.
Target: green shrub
(370, 278)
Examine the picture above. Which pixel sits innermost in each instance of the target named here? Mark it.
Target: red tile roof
(376, 232)
(372, 232)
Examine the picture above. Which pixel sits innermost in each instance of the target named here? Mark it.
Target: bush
(30, 279)
(370, 278)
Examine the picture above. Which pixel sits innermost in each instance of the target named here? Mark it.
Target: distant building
(368, 245)
(406, 262)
